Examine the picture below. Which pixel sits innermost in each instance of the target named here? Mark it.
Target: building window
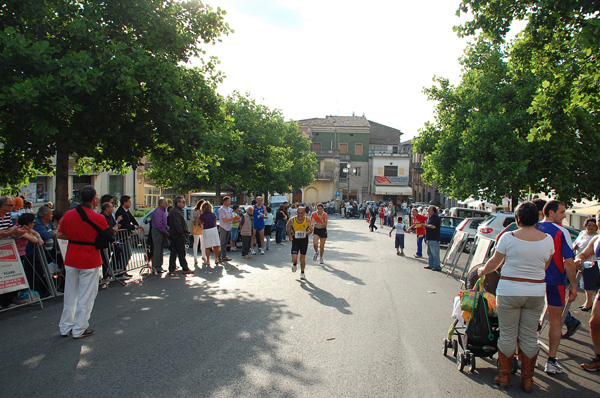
(358, 149)
(394, 149)
(116, 185)
(316, 146)
(343, 148)
(37, 190)
(390, 171)
(356, 171)
(80, 182)
(380, 148)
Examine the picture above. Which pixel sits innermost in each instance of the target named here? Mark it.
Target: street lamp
(347, 170)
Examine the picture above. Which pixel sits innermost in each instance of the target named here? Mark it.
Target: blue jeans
(433, 251)
(420, 245)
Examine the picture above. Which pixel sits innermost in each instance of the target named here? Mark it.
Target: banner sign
(12, 275)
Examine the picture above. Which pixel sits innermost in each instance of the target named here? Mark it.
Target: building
(422, 192)
(341, 144)
(389, 164)
(358, 159)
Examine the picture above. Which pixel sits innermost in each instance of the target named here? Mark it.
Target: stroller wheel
(454, 347)
(461, 361)
(447, 344)
(472, 363)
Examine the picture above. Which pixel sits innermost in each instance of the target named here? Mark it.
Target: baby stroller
(475, 329)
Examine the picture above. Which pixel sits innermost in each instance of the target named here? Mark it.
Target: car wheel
(469, 246)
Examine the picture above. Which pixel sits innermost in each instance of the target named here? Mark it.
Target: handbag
(197, 229)
(468, 298)
(479, 328)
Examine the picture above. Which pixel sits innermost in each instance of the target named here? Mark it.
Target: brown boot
(505, 367)
(527, 368)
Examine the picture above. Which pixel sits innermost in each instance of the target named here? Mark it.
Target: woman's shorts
(300, 246)
(590, 278)
(321, 232)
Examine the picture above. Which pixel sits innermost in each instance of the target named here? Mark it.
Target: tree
(259, 152)
(478, 145)
(103, 82)
(561, 45)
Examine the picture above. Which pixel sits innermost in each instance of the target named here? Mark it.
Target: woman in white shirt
(521, 292)
(590, 271)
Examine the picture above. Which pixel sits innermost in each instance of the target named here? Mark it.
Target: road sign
(338, 194)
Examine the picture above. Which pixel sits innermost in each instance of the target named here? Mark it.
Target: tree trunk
(217, 194)
(62, 180)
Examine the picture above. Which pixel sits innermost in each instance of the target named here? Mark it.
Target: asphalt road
(367, 324)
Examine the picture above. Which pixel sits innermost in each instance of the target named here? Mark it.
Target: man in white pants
(82, 265)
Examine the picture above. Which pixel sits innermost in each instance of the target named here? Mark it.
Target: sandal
(585, 309)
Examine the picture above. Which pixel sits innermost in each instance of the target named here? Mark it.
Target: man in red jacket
(82, 265)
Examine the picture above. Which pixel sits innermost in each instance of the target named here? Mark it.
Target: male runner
(319, 222)
(299, 228)
(561, 266)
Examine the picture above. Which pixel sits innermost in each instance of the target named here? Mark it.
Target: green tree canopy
(104, 82)
(260, 153)
(530, 105)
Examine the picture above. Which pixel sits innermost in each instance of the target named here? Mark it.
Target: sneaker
(252, 251)
(571, 329)
(294, 267)
(315, 256)
(261, 251)
(234, 249)
(302, 276)
(86, 333)
(321, 261)
(397, 253)
(553, 368)
(593, 366)
(402, 254)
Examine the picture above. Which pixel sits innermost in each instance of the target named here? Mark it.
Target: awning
(590, 210)
(392, 190)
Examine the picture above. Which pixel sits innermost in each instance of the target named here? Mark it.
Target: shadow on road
(326, 298)
(168, 337)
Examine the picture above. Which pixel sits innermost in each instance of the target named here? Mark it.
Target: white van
(464, 212)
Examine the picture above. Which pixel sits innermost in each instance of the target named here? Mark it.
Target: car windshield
(488, 219)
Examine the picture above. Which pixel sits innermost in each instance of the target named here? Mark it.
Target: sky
(330, 57)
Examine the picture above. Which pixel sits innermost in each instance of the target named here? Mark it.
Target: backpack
(104, 238)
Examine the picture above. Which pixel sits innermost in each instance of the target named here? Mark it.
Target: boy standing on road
(399, 227)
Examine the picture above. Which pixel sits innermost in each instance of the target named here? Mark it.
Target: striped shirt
(5, 222)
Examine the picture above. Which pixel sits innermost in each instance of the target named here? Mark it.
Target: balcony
(331, 153)
(385, 154)
(324, 175)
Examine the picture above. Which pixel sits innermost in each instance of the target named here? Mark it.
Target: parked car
(145, 221)
(495, 223)
(470, 226)
(468, 213)
(447, 228)
(573, 233)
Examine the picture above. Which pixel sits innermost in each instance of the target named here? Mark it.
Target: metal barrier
(128, 252)
(34, 269)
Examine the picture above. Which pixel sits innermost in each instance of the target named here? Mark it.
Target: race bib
(300, 234)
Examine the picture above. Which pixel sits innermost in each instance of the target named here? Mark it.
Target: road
(367, 324)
